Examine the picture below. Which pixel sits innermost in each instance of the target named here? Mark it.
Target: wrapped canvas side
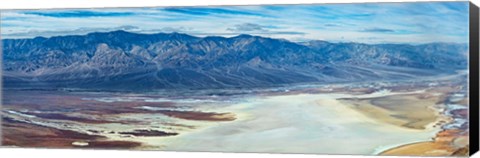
(474, 78)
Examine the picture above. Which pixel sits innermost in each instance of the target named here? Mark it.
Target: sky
(420, 22)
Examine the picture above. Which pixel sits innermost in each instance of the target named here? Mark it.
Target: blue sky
(421, 22)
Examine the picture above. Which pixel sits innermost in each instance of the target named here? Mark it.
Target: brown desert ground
(133, 121)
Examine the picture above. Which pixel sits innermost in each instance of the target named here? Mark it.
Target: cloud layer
(420, 22)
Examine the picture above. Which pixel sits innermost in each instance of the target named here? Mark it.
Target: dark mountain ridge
(124, 60)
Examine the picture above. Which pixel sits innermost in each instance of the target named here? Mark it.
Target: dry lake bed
(426, 117)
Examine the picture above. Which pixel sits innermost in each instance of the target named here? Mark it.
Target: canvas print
(363, 79)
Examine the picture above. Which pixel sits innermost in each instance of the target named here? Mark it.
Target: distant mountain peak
(244, 36)
(120, 32)
(178, 35)
(114, 33)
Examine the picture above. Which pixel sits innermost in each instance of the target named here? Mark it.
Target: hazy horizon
(233, 36)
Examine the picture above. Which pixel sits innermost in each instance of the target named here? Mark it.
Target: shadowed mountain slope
(124, 60)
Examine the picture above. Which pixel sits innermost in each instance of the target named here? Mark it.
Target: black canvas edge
(474, 79)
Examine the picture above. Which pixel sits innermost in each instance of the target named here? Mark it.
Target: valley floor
(426, 118)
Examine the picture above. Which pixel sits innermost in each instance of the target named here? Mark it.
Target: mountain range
(125, 60)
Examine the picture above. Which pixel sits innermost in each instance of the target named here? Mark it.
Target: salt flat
(298, 123)
(307, 120)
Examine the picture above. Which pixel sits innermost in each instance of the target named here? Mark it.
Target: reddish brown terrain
(46, 120)
(121, 120)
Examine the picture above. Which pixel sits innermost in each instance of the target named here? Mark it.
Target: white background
(54, 153)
